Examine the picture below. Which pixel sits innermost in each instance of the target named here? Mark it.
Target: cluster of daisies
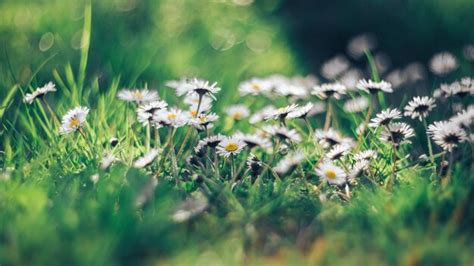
(288, 140)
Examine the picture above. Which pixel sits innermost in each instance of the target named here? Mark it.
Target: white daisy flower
(146, 159)
(397, 133)
(351, 78)
(374, 87)
(419, 107)
(193, 109)
(238, 111)
(291, 90)
(361, 128)
(193, 100)
(385, 117)
(39, 92)
(318, 108)
(283, 133)
(447, 134)
(331, 137)
(73, 120)
(465, 118)
(397, 78)
(145, 111)
(254, 140)
(458, 88)
(301, 112)
(334, 67)
(138, 96)
(282, 113)
(358, 168)
(333, 174)
(356, 105)
(230, 146)
(337, 152)
(202, 87)
(261, 114)
(290, 161)
(467, 87)
(443, 63)
(468, 52)
(365, 155)
(173, 117)
(203, 121)
(107, 161)
(359, 44)
(328, 90)
(189, 208)
(181, 86)
(254, 165)
(213, 141)
(255, 86)
(306, 82)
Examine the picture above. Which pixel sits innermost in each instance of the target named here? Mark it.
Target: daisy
(213, 141)
(468, 52)
(306, 82)
(318, 108)
(254, 140)
(203, 108)
(333, 174)
(283, 133)
(39, 92)
(358, 168)
(254, 165)
(447, 135)
(138, 96)
(261, 114)
(365, 155)
(328, 90)
(374, 87)
(301, 112)
(289, 162)
(73, 120)
(113, 141)
(330, 137)
(181, 86)
(238, 111)
(397, 133)
(419, 107)
(193, 101)
(356, 105)
(443, 63)
(146, 159)
(107, 160)
(288, 90)
(351, 78)
(203, 121)
(255, 86)
(358, 45)
(230, 146)
(202, 87)
(200, 150)
(467, 87)
(385, 117)
(465, 118)
(334, 67)
(173, 117)
(145, 111)
(282, 113)
(337, 152)
(189, 208)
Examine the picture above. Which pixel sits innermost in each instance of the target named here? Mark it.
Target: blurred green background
(224, 40)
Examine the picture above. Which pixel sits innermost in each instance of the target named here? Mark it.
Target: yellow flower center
(171, 116)
(137, 95)
(231, 147)
(193, 112)
(203, 119)
(330, 174)
(237, 115)
(256, 86)
(74, 123)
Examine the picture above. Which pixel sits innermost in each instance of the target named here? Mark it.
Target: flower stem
(430, 147)
(327, 121)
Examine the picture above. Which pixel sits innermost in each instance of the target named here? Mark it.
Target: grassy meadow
(180, 132)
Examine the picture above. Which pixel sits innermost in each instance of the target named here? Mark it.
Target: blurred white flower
(73, 120)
